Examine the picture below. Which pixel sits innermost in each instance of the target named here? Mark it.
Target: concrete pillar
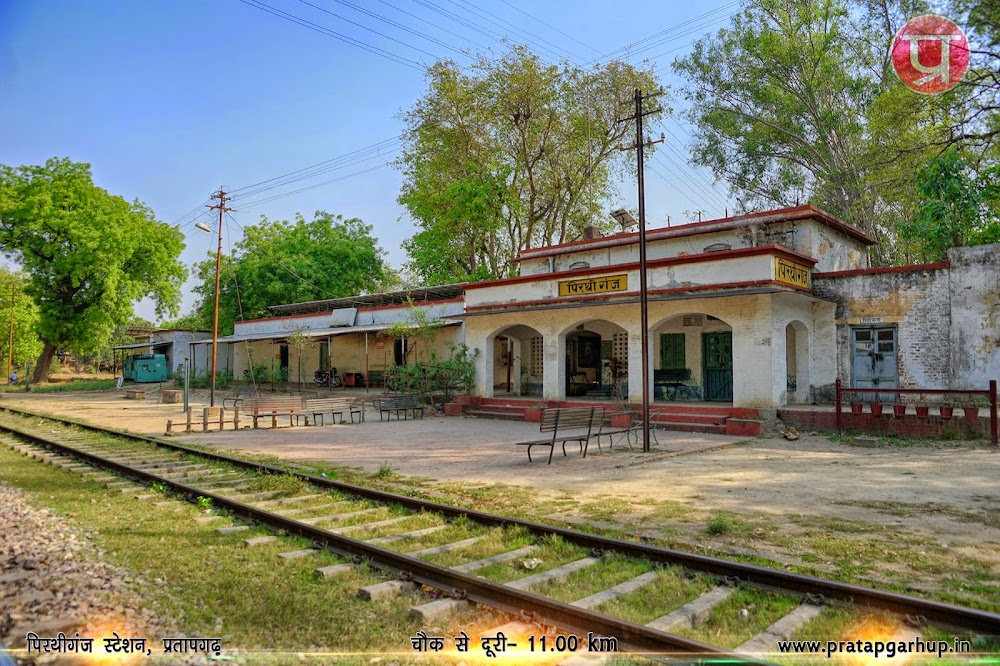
(484, 365)
(554, 367)
(515, 370)
(754, 372)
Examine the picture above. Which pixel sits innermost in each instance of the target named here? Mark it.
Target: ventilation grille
(536, 356)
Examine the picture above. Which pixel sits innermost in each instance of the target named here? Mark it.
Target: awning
(316, 333)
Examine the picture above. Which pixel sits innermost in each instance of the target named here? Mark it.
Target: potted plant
(857, 407)
(899, 409)
(876, 407)
(922, 409)
(971, 409)
(947, 411)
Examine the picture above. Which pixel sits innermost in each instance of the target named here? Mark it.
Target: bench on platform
(673, 378)
(333, 406)
(402, 403)
(272, 407)
(567, 424)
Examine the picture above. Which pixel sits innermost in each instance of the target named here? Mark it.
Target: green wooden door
(718, 355)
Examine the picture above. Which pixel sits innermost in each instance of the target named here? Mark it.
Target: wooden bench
(333, 406)
(272, 407)
(399, 403)
(572, 424)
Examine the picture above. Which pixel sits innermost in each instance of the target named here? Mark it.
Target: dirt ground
(941, 491)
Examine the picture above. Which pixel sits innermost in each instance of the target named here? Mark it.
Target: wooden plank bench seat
(272, 407)
(333, 406)
(402, 403)
(567, 424)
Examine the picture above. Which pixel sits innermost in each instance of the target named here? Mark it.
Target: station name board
(790, 272)
(597, 285)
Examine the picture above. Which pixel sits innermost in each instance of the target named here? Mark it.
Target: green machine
(144, 368)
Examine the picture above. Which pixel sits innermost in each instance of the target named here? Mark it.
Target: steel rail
(634, 638)
(943, 614)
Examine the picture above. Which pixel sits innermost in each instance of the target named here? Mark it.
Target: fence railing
(990, 394)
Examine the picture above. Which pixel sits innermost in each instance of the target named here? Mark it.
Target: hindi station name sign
(790, 272)
(597, 285)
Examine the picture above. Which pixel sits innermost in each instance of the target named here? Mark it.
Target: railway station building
(756, 311)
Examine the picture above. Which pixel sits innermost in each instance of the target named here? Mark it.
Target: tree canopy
(291, 262)
(512, 153)
(26, 344)
(88, 255)
(797, 102)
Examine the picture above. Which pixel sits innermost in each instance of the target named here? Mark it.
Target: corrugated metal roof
(317, 333)
(418, 296)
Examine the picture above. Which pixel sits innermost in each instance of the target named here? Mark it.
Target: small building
(174, 344)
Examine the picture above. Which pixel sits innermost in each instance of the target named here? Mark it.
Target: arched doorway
(797, 363)
(517, 362)
(692, 358)
(596, 353)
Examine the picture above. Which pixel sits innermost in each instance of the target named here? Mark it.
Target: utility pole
(10, 345)
(223, 209)
(641, 143)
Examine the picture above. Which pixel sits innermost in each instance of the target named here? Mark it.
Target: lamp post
(10, 345)
(222, 208)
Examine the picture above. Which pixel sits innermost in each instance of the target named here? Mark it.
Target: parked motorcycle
(331, 378)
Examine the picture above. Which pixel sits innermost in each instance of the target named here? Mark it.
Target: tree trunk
(44, 363)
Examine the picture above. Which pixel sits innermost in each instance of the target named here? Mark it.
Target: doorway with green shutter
(717, 354)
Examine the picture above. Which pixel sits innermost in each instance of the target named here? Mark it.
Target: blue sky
(168, 100)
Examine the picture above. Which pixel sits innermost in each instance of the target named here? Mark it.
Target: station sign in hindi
(790, 272)
(596, 285)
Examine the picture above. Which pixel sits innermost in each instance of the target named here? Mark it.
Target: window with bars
(619, 343)
(536, 355)
(672, 351)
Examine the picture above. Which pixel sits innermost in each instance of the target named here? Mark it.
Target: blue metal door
(873, 361)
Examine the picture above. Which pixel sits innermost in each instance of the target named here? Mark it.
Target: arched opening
(797, 363)
(596, 360)
(517, 362)
(692, 358)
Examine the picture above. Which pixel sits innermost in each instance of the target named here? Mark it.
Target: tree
(89, 255)
(511, 154)
(958, 207)
(797, 102)
(290, 262)
(27, 347)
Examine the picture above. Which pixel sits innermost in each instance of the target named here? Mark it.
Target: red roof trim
(776, 250)
(698, 228)
(673, 290)
(937, 265)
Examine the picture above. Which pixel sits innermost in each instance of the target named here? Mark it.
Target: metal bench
(671, 379)
(333, 406)
(399, 404)
(567, 424)
(272, 407)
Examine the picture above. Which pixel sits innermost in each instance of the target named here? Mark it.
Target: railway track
(423, 545)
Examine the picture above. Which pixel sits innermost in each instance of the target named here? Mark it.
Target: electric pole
(640, 144)
(223, 209)
(10, 345)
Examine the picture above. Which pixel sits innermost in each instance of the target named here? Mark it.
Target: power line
(312, 187)
(402, 60)
(551, 27)
(514, 27)
(435, 25)
(396, 24)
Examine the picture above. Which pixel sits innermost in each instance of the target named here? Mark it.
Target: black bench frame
(398, 403)
(560, 419)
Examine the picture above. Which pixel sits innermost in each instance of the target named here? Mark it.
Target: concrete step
(692, 427)
(710, 419)
(500, 416)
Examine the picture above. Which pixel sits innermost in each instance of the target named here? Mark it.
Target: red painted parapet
(990, 394)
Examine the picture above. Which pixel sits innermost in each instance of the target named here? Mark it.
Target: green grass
(263, 605)
(78, 385)
(727, 627)
(671, 590)
(721, 523)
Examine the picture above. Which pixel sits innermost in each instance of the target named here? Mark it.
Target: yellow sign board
(790, 272)
(596, 285)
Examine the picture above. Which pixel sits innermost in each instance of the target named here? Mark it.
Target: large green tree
(796, 101)
(290, 262)
(14, 301)
(89, 255)
(958, 206)
(509, 154)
